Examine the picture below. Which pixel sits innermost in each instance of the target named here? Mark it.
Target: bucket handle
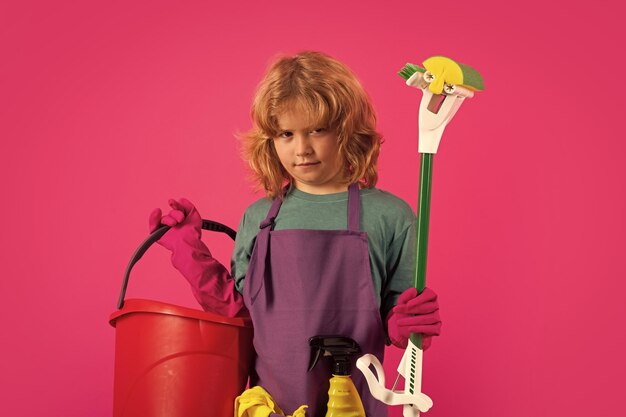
(156, 235)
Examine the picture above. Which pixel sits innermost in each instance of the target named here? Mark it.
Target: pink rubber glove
(210, 281)
(414, 314)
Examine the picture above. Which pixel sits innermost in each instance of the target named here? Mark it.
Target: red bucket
(172, 361)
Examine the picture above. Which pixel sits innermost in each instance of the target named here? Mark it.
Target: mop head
(440, 70)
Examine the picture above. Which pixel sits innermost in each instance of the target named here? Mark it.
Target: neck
(321, 190)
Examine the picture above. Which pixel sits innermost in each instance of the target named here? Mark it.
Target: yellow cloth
(300, 412)
(256, 402)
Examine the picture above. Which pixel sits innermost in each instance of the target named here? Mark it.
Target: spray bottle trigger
(341, 348)
(316, 353)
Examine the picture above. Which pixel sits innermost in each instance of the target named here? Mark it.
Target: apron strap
(263, 242)
(271, 214)
(354, 208)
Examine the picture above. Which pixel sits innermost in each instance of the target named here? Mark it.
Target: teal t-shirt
(387, 219)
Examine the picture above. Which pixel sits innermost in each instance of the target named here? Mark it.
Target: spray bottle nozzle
(341, 348)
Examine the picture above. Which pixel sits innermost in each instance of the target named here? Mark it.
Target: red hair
(333, 97)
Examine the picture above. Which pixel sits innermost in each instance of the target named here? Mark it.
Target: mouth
(307, 164)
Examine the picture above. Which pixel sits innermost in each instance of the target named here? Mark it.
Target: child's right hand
(184, 220)
(210, 281)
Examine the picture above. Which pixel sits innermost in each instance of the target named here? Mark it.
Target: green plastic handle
(421, 230)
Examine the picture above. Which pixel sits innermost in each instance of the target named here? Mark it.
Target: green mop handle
(421, 230)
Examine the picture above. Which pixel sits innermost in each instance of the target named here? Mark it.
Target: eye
(319, 131)
(285, 135)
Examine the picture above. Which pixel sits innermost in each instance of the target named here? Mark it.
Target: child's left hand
(414, 314)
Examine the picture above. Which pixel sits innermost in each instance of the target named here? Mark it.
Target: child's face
(310, 154)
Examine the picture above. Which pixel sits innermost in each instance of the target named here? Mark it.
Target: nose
(303, 145)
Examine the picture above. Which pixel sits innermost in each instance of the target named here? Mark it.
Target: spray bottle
(343, 398)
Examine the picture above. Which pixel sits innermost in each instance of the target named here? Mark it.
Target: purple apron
(303, 283)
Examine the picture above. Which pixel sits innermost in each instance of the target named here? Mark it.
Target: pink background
(107, 109)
